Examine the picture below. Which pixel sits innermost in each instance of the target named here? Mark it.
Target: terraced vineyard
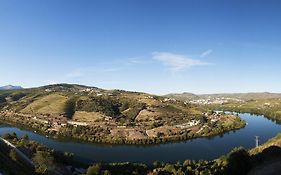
(111, 116)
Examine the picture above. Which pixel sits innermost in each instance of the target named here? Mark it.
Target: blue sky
(155, 46)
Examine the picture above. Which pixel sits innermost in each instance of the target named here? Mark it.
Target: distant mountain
(243, 96)
(10, 87)
(183, 96)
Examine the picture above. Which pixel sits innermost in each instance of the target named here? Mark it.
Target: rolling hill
(241, 96)
(111, 116)
(57, 100)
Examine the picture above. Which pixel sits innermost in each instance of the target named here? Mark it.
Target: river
(200, 148)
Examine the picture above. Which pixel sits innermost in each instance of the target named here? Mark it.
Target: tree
(25, 137)
(155, 164)
(94, 170)
(106, 172)
(13, 155)
(44, 160)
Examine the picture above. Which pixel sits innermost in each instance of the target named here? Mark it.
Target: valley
(111, 116)
(74, 129)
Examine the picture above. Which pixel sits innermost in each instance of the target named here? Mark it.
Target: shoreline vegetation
(232, 122)
(49, 161)
(111, 116)
(269, 108)
(100, 116)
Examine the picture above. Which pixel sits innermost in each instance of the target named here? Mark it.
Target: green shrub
(13, 155)
(93, 170)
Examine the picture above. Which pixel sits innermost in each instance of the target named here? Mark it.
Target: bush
(13, 155)
(93, 170)
(43, 160)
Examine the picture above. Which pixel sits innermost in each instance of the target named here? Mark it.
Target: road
(23, 156)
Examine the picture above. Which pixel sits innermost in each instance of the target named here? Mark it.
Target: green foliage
(2, 99)
(17, 96)
(131, 109)
(9, 136)
(13, 155)
(132, 112)
(25, 137)
(270, 108)
(106, 172)
(124, 106)
(94, 170)
(43, 160)
(99, 104)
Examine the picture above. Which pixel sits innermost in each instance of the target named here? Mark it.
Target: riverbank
(200, 148)
(269, 108)
(262, 160)
(207, 126)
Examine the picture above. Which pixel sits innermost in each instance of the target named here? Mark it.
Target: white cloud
(206, 53)
(176, 62)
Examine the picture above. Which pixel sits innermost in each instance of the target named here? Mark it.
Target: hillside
(183, 96)
(27, 157)
(245, 96)
(267, 157)
(11, 163)
(242, 96)
(270, 108)
(10, 87)
(112, 116)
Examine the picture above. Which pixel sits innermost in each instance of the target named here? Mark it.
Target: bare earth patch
(146, 115)
(130, 134)
(162, 131)
(82, 116)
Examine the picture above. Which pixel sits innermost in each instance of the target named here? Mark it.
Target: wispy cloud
(80, 72)
(135, 60)
(104, 67)
(176, 62)
(206, 53)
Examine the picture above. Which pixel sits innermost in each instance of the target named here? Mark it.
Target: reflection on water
(201, 148)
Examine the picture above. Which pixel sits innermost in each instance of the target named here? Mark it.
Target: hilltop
(112, 116)
(10, 87)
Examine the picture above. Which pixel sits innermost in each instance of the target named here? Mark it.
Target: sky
(154, 46)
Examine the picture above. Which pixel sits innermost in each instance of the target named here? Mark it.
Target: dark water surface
(201, 148)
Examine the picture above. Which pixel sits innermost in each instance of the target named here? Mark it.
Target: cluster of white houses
(188, 124)
(218, 100)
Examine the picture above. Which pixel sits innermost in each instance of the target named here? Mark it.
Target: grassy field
(49, 104)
